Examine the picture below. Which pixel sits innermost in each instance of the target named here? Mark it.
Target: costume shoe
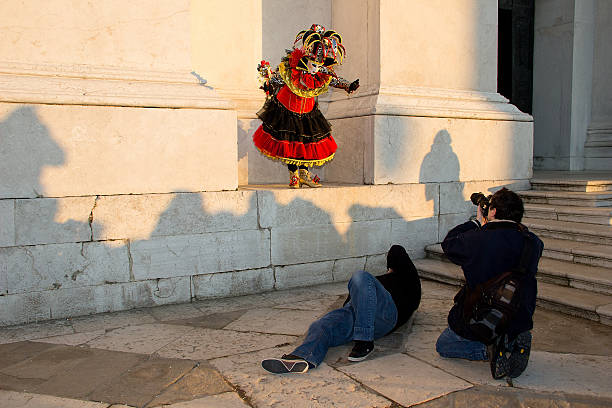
(305, 178)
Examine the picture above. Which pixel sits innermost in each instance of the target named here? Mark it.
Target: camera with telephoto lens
(481, 201)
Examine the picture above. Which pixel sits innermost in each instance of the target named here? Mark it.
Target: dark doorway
(515, 52)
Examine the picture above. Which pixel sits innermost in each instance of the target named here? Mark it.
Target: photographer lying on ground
(375, 307)
(499, 258)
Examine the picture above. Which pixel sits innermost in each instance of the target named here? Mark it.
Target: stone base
(74, 256)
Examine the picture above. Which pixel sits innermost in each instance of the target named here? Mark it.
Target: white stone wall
(126, 129)
(63, 257)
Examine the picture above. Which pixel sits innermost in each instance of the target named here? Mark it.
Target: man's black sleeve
(458, 246)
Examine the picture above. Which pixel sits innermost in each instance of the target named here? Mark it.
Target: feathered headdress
(320, 45)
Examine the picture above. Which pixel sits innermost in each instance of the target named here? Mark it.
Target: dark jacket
(405, 289)
(486, 252)
(403, 284)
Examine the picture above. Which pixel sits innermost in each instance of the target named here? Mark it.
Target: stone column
(563, 79)
(428, 110)
(598, 147)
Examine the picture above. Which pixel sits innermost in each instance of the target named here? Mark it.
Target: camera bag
(490, 306)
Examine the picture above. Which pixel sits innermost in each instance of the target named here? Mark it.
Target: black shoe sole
(520, 355)
(500, 365)
(282, 366)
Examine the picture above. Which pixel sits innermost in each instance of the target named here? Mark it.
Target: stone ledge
(106, 86)
(421, 101)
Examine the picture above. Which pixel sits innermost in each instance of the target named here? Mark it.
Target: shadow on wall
(441, 165)
(26, 147)
(201, 244)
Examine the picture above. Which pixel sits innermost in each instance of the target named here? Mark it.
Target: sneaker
(510, 358)
(285, 364)
(361, 350)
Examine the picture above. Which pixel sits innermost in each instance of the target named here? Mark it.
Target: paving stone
(107, 321)
(210, 321)
(336, 289)
(77, 371)
(75, 339)
(323, 304)
(510, 397)
(145, 339)
(66, 371)
(34, 331)
(421, 344)
(11, 399)
(559, 333)
(230, 304)
(437, 290)
(296, 294)
(433, 311)
(337, 356)
(13, 353)
(320, 387)
(225, 400)
(570, 373)
(203, 380)
(174, 312)
(276, 321)
(419, 381)
(143, 382)
(204, 344)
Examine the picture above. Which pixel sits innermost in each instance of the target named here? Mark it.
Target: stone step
(559, 271)
(568, 198)
(589, 215)
(585, 253)
(582, 253)
(580, 181)
(574, 231)
(568, 300)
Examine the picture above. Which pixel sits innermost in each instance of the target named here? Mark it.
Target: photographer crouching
(493, 311)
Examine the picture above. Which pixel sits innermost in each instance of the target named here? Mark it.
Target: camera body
(481, 201)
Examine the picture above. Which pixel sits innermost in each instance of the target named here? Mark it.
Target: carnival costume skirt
(294, 131)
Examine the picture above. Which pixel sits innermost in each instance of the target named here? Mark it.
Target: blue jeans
(369, 315)
(451, 345)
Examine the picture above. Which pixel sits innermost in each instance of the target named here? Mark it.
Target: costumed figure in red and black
(293, 130)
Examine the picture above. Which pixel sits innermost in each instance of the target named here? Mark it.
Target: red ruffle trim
(280, 149)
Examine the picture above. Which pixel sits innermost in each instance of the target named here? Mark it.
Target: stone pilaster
(428, 110)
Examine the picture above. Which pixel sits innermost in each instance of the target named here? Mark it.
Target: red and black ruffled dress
(293, 129)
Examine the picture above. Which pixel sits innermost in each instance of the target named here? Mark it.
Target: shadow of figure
(440, 172)
(26, 147)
